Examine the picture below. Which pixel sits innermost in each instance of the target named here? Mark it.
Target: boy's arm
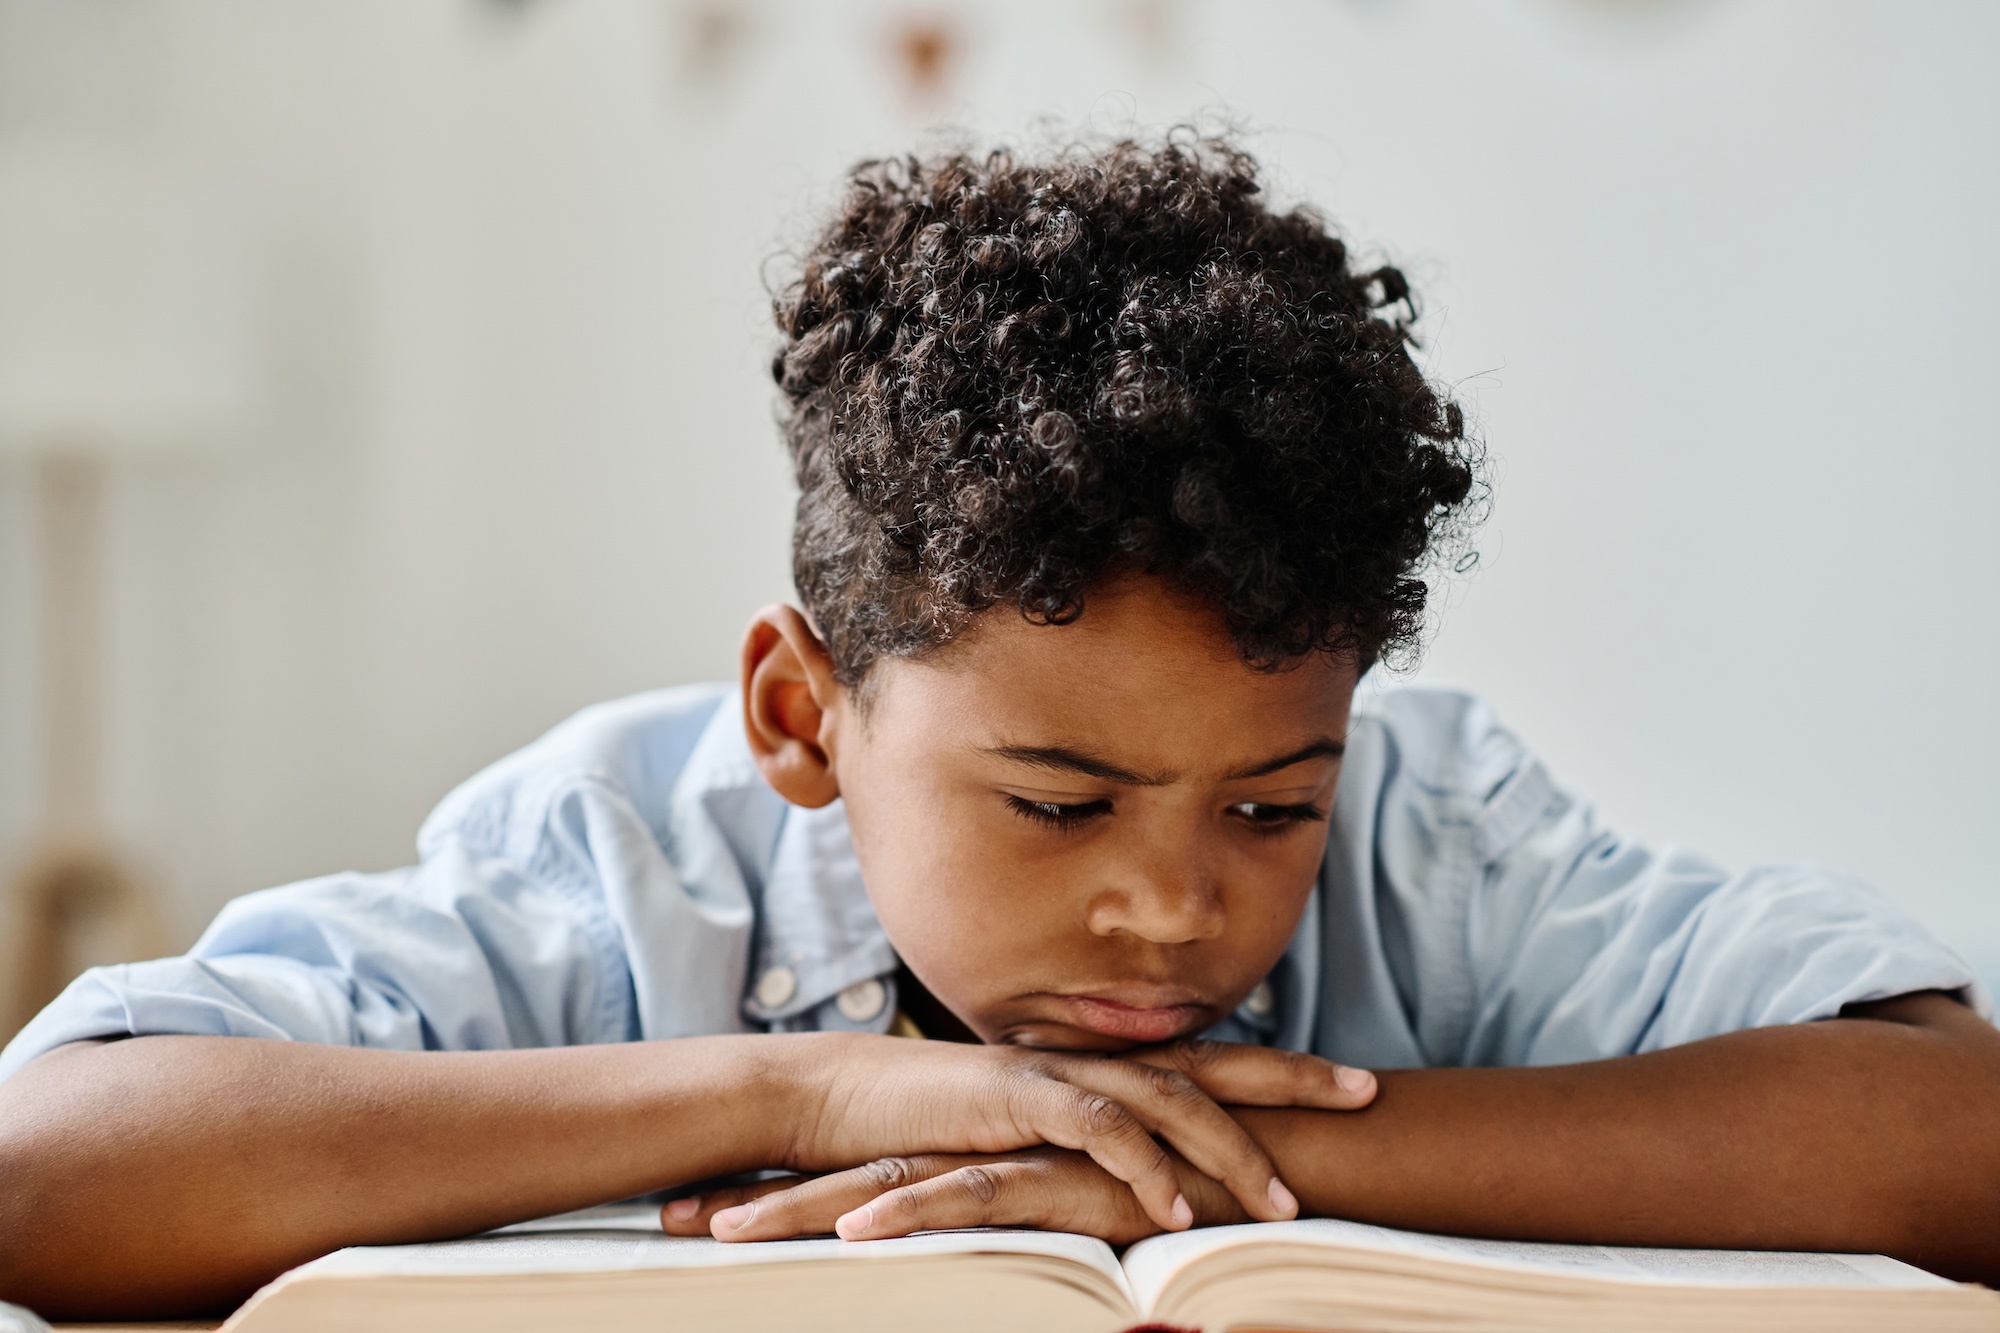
(1873, 1133)
(1876, 1132)
(164, 1174)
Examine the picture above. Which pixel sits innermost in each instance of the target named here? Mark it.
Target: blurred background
(382, 380)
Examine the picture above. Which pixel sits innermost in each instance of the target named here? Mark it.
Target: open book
(611, 1270)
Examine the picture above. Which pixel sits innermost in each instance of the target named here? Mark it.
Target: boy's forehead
(1144, 671)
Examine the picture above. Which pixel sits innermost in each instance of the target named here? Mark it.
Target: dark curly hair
(1007, 379)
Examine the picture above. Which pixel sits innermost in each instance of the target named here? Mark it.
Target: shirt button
(863, 1000)
(1259, 1000)
(776, 986)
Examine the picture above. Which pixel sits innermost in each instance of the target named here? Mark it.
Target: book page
(624, 1241)
(643, 1217)
(1151, 1264)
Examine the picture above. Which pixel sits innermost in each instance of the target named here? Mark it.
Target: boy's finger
(995, 1194)
(1261, 1076)
(1013, 1191)
(1173, 1106)
(809, 1208)
(1070, 1115)
(690, 1216)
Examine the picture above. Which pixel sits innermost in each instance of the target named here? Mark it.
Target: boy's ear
(789, 696)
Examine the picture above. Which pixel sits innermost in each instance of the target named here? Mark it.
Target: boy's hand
(1052, 1189)
(866, 1098)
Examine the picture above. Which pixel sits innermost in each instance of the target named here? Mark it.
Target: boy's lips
(1114, 1018)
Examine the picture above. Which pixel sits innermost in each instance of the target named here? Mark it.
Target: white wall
(1717, 279)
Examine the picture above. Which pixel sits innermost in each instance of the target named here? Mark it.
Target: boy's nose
(1159, 904)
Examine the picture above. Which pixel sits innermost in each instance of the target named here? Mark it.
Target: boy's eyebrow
(1325, 747)
(1062, 759)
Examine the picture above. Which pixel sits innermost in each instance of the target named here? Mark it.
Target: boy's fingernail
(682, 1209)
(854, 1225)
(733, 1219)
(1182, 1214)
(1283, 1199)
(1352, 1079)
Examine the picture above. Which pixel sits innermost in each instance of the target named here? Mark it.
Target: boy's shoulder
(646, 751)
(1437, 741)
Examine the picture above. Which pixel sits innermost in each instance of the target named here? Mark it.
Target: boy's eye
(1276, 818)
(1057, 816)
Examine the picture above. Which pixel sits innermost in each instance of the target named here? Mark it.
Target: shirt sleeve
(1570, 942)
(459, 953)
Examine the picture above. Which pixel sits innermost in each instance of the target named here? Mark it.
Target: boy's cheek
(963, 928)
(974, 961)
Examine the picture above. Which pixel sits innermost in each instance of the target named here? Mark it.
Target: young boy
(1114, 486)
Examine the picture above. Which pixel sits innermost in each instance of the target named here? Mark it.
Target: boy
(1114, 484)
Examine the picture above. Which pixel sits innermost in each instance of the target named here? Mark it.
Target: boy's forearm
(1878, 1134)
(164, 1174)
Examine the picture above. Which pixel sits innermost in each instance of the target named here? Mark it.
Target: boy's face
(1097, 834)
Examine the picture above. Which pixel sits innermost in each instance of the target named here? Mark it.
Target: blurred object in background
(124, 305)
(1152, 27)
(925, 50)
(76, 905)
(709, 37)
(124, 329)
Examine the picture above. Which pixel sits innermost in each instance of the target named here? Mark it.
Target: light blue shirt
(630, 876)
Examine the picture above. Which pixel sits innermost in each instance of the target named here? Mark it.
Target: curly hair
(1005, 380)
